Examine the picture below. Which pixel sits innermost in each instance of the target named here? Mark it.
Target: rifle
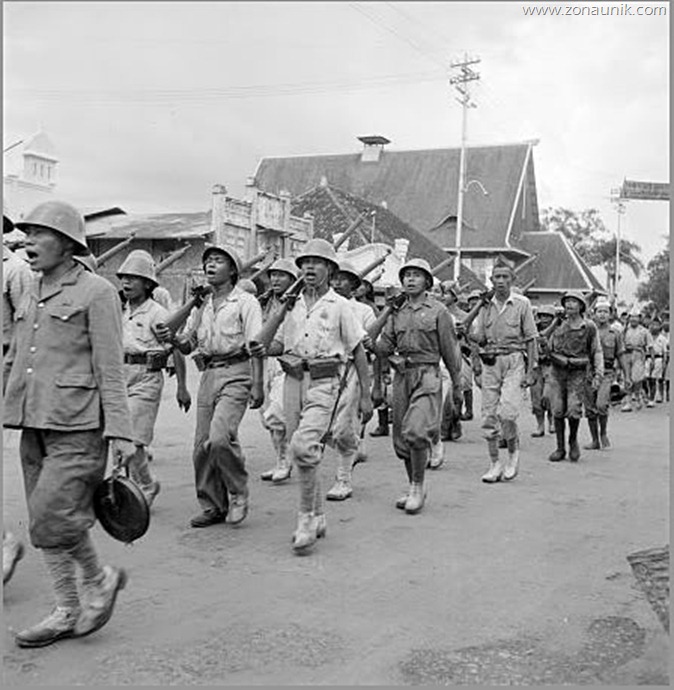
(350, 230)
(266, 335)
(171, 258)
(376, 262)
(247, 265)
(106, 256)
(177, 318)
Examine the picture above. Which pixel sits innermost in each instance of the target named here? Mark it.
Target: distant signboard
(655, 191)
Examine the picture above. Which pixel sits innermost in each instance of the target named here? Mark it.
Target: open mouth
(31, 255)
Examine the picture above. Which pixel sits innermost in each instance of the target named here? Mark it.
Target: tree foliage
(655, 287)
(595, 244)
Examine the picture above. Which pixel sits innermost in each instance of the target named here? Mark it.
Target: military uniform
(218, 338)
(540, 389)
(638, 343)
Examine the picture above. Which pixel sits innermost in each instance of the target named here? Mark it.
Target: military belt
(135, 358)
(217, 361)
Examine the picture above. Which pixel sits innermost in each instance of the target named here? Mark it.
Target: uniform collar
(142, 309)
(70, 277)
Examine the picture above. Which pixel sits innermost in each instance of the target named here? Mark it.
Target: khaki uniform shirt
(17, 281)
(225, 331)
(660, 345)
(65, 369)
(509, 326)
(611, 344)
(328, 329)
(138, 327)
(581, 340)
(638, 338)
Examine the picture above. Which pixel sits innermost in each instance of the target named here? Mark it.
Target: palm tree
(603, 252)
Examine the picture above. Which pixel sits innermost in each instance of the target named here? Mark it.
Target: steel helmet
(88, 261)
(546, 310)
(474, 294)
(577, 295)
(348, 268)
(60, 217)
(422, 265)
(449, 286)
(635, 311)
(121, 508)
(285, 266)
(602, 304)
(229, 253)
(139, 263)
(7, 224)
(318, 248)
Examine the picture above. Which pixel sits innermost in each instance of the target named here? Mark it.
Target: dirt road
(520, 583)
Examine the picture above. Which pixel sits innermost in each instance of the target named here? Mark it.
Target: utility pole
(620, 204)
(460, 82)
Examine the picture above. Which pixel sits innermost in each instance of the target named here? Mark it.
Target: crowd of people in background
(313, 349)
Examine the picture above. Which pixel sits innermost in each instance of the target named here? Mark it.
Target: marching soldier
(346, 433)
(576, 354)
(598, 400)
(657, 363)
(17, 281)
(415, 338)
(144, 359)
(638, 343)
(282, 274)
(218, 332)
(318, 335)
(540, 401)
(64, 388)
(504, 330)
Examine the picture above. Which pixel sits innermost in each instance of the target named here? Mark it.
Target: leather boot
(512, 462)
(594, 432)
(99, 601)
(342, 489)
(305, 535)
(540, 421)
(59, 624)
(468, 402)
(560, 453)
(574, 450)
(417, 496)
(603, 423)
(382, 428)
(495, 471)
(416, 499)
(436, 456)
(283, 467)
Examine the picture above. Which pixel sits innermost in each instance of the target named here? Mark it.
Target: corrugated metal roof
(420, 187)
(154, 226)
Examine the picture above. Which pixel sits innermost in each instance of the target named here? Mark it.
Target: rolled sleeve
(251, 317)
(351, 331)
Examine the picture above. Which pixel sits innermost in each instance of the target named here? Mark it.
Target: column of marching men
(84, 373)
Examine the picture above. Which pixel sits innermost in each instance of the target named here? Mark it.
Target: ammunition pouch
(204, 362)
(488, 358)
(401, 364)
(292, 365)
(324, 368)
(200, 361)
(559, 360)
(578, 362)
(156, 360)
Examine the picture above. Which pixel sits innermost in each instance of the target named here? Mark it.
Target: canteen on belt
(121, 507)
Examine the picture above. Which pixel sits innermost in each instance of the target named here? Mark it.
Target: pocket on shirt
(76, 400)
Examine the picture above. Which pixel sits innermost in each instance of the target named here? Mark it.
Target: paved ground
(522, 583)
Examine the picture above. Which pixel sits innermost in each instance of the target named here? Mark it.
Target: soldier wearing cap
(17, 281)
(144, 358)
(576, 355)
(504, 330)
(415, 338)
(316, 339)
(282, 274)
(598, 400)
(218, 332)
(64, 388)
(657, 363)
(540, 400)
(346, 429)
(638, 344)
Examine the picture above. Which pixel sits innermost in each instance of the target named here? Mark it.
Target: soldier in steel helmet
(505, 331)
(144, 359)
(282, 274)
(319, 335)
(540, 399)
(346, 429)
(576, 355)
(415, 338)
(64, 388)
(598, 400)
(218, 333)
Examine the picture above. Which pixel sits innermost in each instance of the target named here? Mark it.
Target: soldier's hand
(377, 396)
(367, 343)
(184, 398)
(256, 397)
(365, 408)
(122, 451)
(257, 349)
(163, 332)
(529, 379)
(457, 396)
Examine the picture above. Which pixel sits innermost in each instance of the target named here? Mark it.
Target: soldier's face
(343, 285)
(414, 281)
(133, 287)
(602, 316)
(633, 321)
(46, 249)
(544, 320)
(572, 308)
(315, 271)
(502, 279)
(218, 268)
(280, 281)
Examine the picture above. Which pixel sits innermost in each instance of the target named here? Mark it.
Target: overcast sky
(150, 104)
